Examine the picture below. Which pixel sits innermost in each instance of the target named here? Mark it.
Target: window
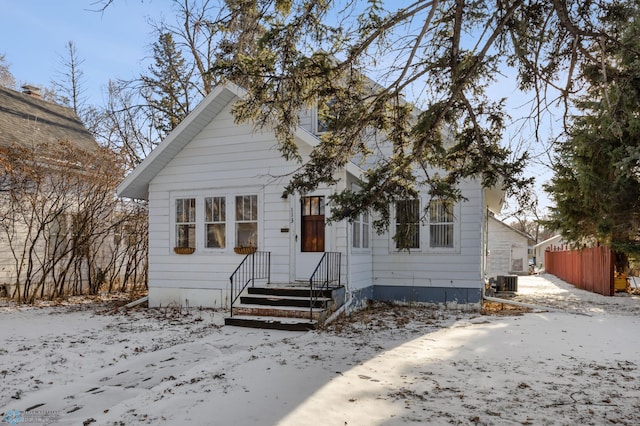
(247, 221)
(58, 236)
(312, 224)
(440, 223)
(407, 224)
(360, 231)
(186, 222)
(215, 222)
(325, 116)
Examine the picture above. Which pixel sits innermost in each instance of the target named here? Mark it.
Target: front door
(311, 241)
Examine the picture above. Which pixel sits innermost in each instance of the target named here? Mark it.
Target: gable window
(360, 231)
(322, 123)
(215, 222)
(186, 222)
(440, 223)
(312, 224)
(408, 224)
(247, 221)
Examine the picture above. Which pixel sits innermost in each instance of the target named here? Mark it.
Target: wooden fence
(590, 269)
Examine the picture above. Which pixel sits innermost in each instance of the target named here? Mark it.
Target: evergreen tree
(596, 186)
(445, 53)
(167, 86)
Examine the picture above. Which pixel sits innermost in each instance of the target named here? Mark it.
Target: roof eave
(136, 184)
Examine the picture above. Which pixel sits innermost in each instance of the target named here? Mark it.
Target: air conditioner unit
(507, 283)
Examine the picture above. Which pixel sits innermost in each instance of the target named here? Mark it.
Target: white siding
(508, 250)
(225, 159)
(540, 248)
(458, 268)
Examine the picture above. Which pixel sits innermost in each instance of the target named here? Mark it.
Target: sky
(116, 44)
(112, 44)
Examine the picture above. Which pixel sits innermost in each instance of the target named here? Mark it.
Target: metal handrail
(254, 266)
(327, 271)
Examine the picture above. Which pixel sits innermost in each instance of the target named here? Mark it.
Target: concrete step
(284, 291)
(277, 311)
(275, 323)
(272, 300)
(285, 307)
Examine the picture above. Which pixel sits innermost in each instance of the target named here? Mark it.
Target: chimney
(33, 91)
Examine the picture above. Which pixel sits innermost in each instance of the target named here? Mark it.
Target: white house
(214, 185)
(508, 249)
(539, 249)
(28, 122)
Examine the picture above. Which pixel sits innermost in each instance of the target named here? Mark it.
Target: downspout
(485, 242)
(345, 308)
(136, 302)
(348, 262)
(347, 285)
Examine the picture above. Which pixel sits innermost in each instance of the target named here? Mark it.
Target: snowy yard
(575, 362)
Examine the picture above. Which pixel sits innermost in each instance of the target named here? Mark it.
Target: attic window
(322, 124)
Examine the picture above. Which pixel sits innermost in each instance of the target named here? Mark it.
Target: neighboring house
(214, 185)
(554, 242)
(27, 121)
(508, 249)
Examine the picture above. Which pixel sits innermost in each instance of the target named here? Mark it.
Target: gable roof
(551, 240)
(29, 121)
(511, 228)
(136, 184)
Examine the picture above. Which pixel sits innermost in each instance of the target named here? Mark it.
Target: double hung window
(247, 220)
(441, 223)
(360, 231)
(186, 222)
(215, 222)
(408, 224)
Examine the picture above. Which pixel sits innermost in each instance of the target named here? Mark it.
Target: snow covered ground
(576, 361)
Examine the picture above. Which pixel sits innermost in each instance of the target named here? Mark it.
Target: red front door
(312, 224)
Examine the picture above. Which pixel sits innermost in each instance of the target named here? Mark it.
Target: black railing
(254, 266)
(325, 276)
